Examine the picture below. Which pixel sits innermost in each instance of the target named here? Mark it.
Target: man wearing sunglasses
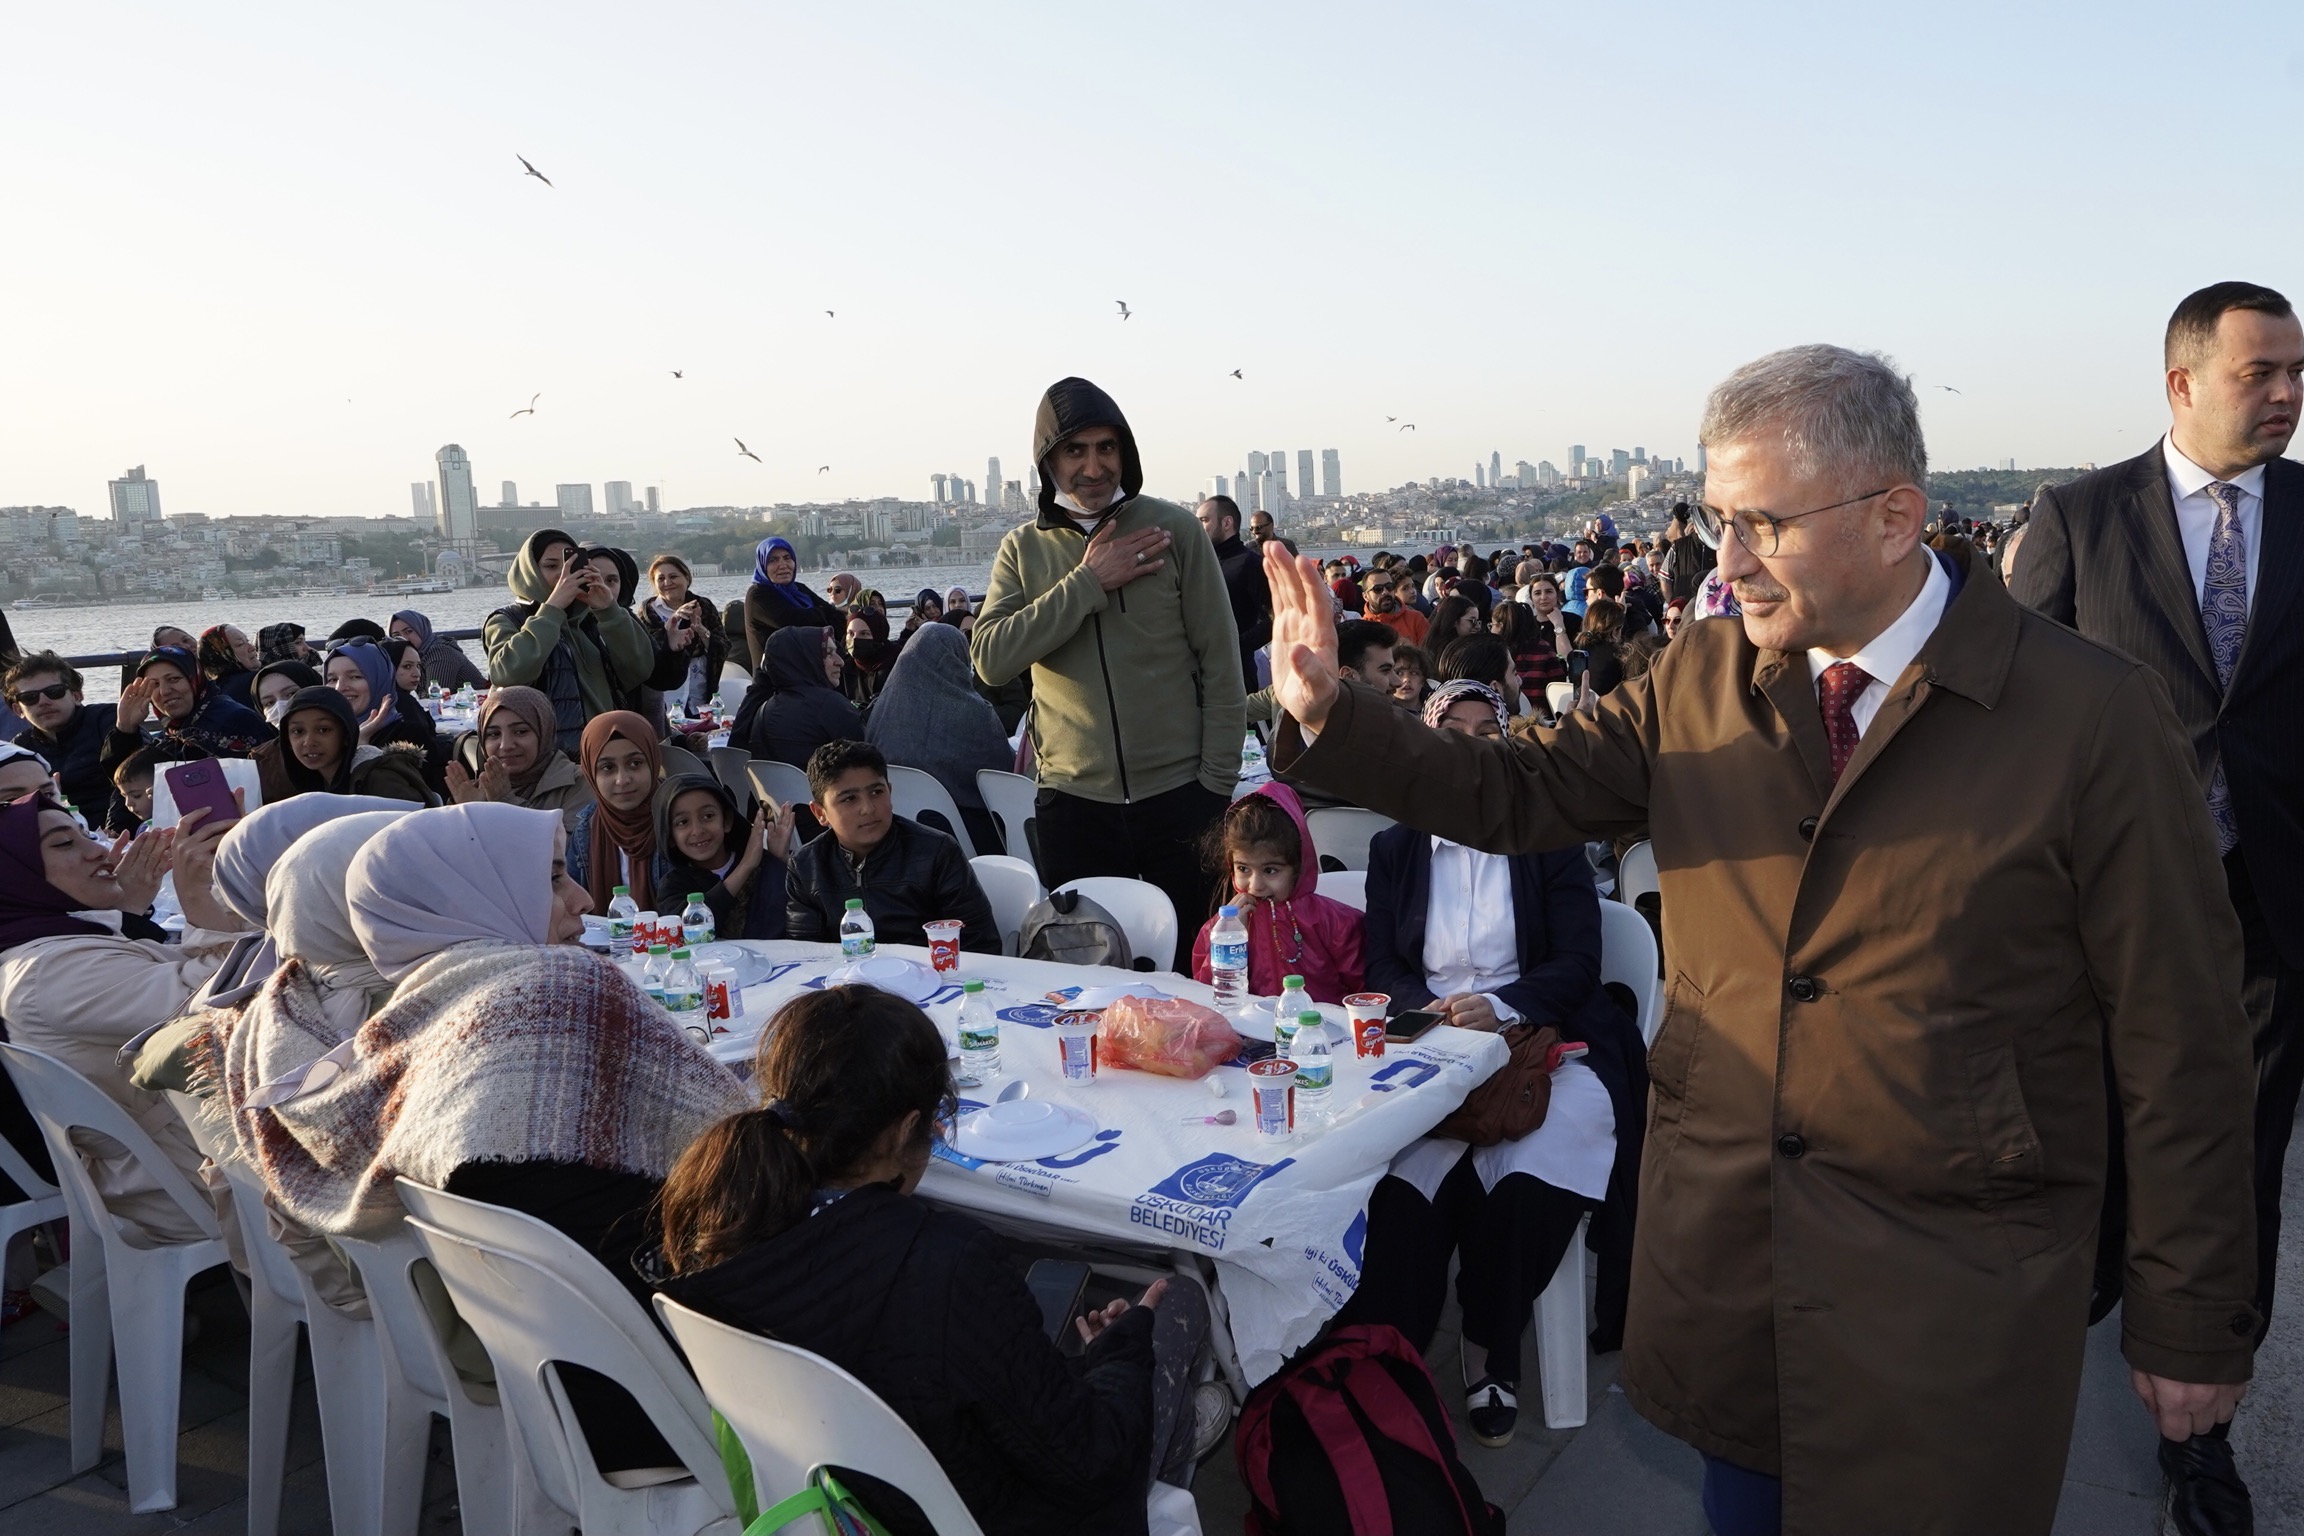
(1876, 1146)
(45, 690)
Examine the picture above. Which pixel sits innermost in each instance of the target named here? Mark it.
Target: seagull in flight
(823, 469)
(1125, 311)
(529, 409)
(748, 453)
(676, 373)
(1236, 374)
(1948, 389)
(1391, 418)
(1406, 426)
(829, 315)
(539, 175)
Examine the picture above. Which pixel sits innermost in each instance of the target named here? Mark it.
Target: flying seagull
(529, 409)
(1125, 311)
(676, 373)
(1391, 418)
(829, 315)
(1408, 426)
(748, 453)
(1945, 387)
(1236, 374)
(539, 175)
(823, 469)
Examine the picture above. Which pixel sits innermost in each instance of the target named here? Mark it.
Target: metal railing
(130, 658)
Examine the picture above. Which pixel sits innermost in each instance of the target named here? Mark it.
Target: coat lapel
(1415, 898)
(2152, 519)
(1786, 682)
(2279, 565)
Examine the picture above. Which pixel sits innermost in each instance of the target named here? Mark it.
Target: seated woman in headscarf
(229, 659)
(927, 608)
(169, 688)
(706, 848)
(794, 704)
(319, 749)
(364, 672)
(283, 642)
(955, 604)
(81, 973)
(612, 842)
(275, 683)
(931, 717)
(779, 599)
(519, 763)
(164, 636)
(443, 659)
(870, 655)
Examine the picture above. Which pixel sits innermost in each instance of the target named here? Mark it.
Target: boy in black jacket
(908, 875)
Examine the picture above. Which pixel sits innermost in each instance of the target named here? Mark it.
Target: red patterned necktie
(1837, 691)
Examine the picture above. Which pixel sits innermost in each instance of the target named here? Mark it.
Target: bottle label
(1231, 956)
(686, 999)
(1315, 1074)
(620, 929)
(856, 946)
(980, 1038)
(698, 932)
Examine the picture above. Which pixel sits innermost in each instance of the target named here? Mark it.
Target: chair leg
(272, 1326)
(148, 1340)
(91, 1347)
(352, 1381)
(1560, 1343)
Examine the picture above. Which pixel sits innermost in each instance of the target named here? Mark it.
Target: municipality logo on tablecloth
(1198, 1200)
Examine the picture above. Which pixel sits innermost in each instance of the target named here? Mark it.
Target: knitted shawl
(487, 1052)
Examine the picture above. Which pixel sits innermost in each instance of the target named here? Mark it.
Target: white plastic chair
(919, 793)
(1636, 873)
(537, 1300)
(779, 781)
(1344, 832)
(1349, 886)
(43, 1202)
(1559, 698)
(1013, 801)
(127, 1297)
(1144, 911)
(1628, 956)
(728, 765)
(1013, 887)
(678, 759)
(796, 1412)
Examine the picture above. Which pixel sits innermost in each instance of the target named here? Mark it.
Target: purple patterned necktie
(1836, 694)
(2224, 616)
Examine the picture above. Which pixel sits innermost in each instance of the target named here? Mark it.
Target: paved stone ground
(1617, 1476)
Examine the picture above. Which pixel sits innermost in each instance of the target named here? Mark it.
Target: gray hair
(1841, 415)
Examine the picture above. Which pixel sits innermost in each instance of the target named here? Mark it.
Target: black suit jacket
(2103, 555)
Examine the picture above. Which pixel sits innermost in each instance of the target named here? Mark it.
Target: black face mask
(867, 652)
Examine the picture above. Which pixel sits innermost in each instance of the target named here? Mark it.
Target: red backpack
(1351, 1436)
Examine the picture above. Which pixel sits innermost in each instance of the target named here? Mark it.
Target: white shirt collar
(1885, 656)
(2188, 479)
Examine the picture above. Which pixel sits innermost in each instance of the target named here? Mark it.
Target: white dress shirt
(1885, 656)
(2197, 511)
(1470, 944)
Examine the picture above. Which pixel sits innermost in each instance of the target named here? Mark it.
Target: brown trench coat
(1876, 1136)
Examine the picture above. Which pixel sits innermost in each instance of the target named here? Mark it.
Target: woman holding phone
(679, 621)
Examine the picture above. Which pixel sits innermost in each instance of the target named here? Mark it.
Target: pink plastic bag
(1165, 1035)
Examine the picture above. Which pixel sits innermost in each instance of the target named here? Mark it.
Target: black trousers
(1156, 840)
(1511, 1239)
(2272, 991)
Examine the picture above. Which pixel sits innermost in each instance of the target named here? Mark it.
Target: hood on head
(526, 578)
(796, 659)
(627, 569)
(1070, 406)
(672, 789)
(337, 708)
(1308, 865)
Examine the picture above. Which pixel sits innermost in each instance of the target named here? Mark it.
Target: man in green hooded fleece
(567, 636)
(1116, 602)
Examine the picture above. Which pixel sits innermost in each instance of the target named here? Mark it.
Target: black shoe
(2205, 1494)
(1492, 1411)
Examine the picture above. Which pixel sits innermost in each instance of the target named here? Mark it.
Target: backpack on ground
(1072, 930)
(1351, 1437)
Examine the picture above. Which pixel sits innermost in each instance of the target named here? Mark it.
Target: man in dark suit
(1244, 583)
(2190, 557)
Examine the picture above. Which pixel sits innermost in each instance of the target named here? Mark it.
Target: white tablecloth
(1282, 1220)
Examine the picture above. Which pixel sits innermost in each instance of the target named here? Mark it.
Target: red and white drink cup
(1272, 1084)
(944, 945)
(1366, 1011)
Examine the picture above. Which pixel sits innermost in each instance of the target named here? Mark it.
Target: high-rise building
(1635, 481)
(1279, 502)
(420, 500)
(459, 507)
(620, 503)
(653, 509)
(1699, 458)
(1495, 468)
(992, 480)
(1014, 499)
(1269, 493)
(574, 500)
(1257, 464)
(1331, 473)
(1575, 458)
(1639, 454)
(135, 499)
(1218, 485)
(1303, 471)
(1546, 475)
(1479, 475)
(1248, 485)
(1618, 461)
(1525, 473)
(938, 482)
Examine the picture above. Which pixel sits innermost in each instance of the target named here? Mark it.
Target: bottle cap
(1229, 911)
(659, 949)
(1308, 1016)
(972, 986)
(855, 903)
(680, 954)
(620, 890)
(1292, 982)
(695, 897)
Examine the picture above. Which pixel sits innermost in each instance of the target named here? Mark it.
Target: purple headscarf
(791, 591)
(31, 908)
(417, 622)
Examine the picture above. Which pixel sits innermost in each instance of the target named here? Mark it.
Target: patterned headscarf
(1445, 694)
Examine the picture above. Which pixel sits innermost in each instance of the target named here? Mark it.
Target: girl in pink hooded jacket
(1265, 848)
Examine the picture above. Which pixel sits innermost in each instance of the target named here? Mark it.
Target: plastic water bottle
(432, 699)
(856, 941)
(683, 990)
(979, 1035)
(1228, 959)
(1286, 1012)
(622, 909)
(697, 925)
(652, 974)
(1315, 1069)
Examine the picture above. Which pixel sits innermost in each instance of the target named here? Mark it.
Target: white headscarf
(312, 916)
(438, 878)
(245, 856)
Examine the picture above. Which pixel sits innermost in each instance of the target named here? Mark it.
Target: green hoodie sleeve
(1014, 630)
(516, 652)
(630, 650)
(1215, 642)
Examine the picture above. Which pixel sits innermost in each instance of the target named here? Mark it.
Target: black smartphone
(1402, 1028)
(1578, 664)
(1058, 1285)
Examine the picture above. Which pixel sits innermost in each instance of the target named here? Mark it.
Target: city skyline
(709, 263)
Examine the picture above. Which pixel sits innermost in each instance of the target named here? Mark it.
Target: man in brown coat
(1876, 1139)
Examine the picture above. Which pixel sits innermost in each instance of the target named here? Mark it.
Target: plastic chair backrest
(681, 760)
(921, 796)
(21, 1174)
(1344, 832)
(1013, 801)
(466, 750)
(1636, 872)
(1628, 955)
(728, 765)
(779, 781)
(61, 1101)
(1349, 886)
(265, 1250)
(796, 1412)
(1146, 914)
(1559, 697)
(1012, 886)
(383, 1264)
(535, 1298)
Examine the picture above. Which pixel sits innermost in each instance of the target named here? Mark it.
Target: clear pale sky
(280, 254)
